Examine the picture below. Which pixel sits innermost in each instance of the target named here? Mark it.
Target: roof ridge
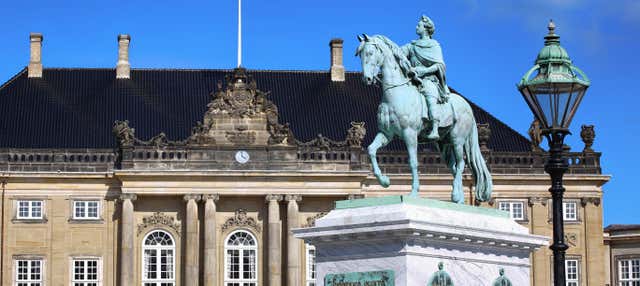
(13, 78)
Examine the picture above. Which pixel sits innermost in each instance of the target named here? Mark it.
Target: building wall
(58, 238)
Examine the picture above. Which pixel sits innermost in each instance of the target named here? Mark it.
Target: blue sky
(488, 45)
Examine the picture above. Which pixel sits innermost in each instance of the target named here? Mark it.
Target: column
(539, 221)
(274, 241)
(191, 240)
(210, 248)
(592, 268)
(293, 244)
(126, 245)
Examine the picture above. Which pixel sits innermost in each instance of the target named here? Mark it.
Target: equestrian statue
(418, 107)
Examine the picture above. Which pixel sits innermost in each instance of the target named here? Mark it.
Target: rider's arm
(423, 71)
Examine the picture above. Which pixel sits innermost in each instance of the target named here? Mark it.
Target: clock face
(242, 156)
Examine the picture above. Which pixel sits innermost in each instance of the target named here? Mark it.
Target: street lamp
(553, 95)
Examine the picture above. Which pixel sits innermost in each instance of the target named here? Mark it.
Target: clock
(242, 156)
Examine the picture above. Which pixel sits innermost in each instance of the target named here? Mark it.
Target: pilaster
(210, 237)
(191, 244)
(274, 241)
(126, 251)
(539, 221)
(294, 272)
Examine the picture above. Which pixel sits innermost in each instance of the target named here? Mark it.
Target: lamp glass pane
(577, 95)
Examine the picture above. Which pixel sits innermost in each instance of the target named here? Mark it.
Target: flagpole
(239, 33)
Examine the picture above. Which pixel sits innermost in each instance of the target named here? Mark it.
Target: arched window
(241, 259)
(158, 259)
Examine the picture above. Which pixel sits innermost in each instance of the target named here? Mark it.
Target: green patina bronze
(502, 280)
(417, 107)
(371, 278)
(553, 88)
(440, 278)
(392, 200)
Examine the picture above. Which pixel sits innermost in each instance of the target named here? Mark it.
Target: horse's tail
(481, 174)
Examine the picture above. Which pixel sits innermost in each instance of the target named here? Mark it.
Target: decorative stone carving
(128, 196)
(571, 239)
(293, 197)
(311, 221)
(125, 136)
(241, 137)
(484, 133)
(158, 219)
(588, 135)
(594, 200)
(272, 197)
(240, 219)
(538, 200)
(535, 135)
(356, 134)
(123, 133)
(189, 197)
(214, 197)
(353, 139)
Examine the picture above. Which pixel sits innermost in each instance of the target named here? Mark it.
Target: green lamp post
(553, 89)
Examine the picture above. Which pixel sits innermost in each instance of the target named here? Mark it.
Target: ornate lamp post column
(553, 95)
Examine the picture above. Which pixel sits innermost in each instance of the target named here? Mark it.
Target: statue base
(401, 240)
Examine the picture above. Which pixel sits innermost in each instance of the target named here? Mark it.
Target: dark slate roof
(76, 108)
(621, 227)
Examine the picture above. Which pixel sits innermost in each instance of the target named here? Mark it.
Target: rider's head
(426, 24)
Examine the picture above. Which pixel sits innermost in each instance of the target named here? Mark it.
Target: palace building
(159, 177)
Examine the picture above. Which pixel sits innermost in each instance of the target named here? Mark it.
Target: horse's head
(371, 58)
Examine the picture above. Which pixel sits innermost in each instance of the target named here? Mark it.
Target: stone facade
(202, 189)
(622, 243)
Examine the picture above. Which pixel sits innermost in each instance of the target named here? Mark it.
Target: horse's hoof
(413, 194)
(384, 181)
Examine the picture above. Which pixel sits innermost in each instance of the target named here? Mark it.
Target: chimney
(337, 69)
(123, 68)
(35, 58)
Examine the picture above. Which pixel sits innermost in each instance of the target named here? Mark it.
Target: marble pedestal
(411, 236)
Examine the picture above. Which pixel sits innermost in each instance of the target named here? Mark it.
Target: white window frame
(85, 282)
(28, 281)
(630, 279)
(158, 250)
(509, 208)
(570, 280)
(566, 215)
(86, 216)
(30, 209)
(241, 281)
(310, 261)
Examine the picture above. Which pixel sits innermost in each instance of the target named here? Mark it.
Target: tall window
(629, 272)
(158, 267)
(29, 209)
(572, 267)
(311, 265)
(85, 209)
(241, 259)
(516, 209)
(28, 272)
(570, 211)
(86, 272)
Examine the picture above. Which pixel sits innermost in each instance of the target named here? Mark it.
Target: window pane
(92, 209)
(36, 209)
(79, 209)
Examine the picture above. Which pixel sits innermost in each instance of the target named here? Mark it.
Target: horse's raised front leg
(457, 196)
(410, 137)
(381, 140)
